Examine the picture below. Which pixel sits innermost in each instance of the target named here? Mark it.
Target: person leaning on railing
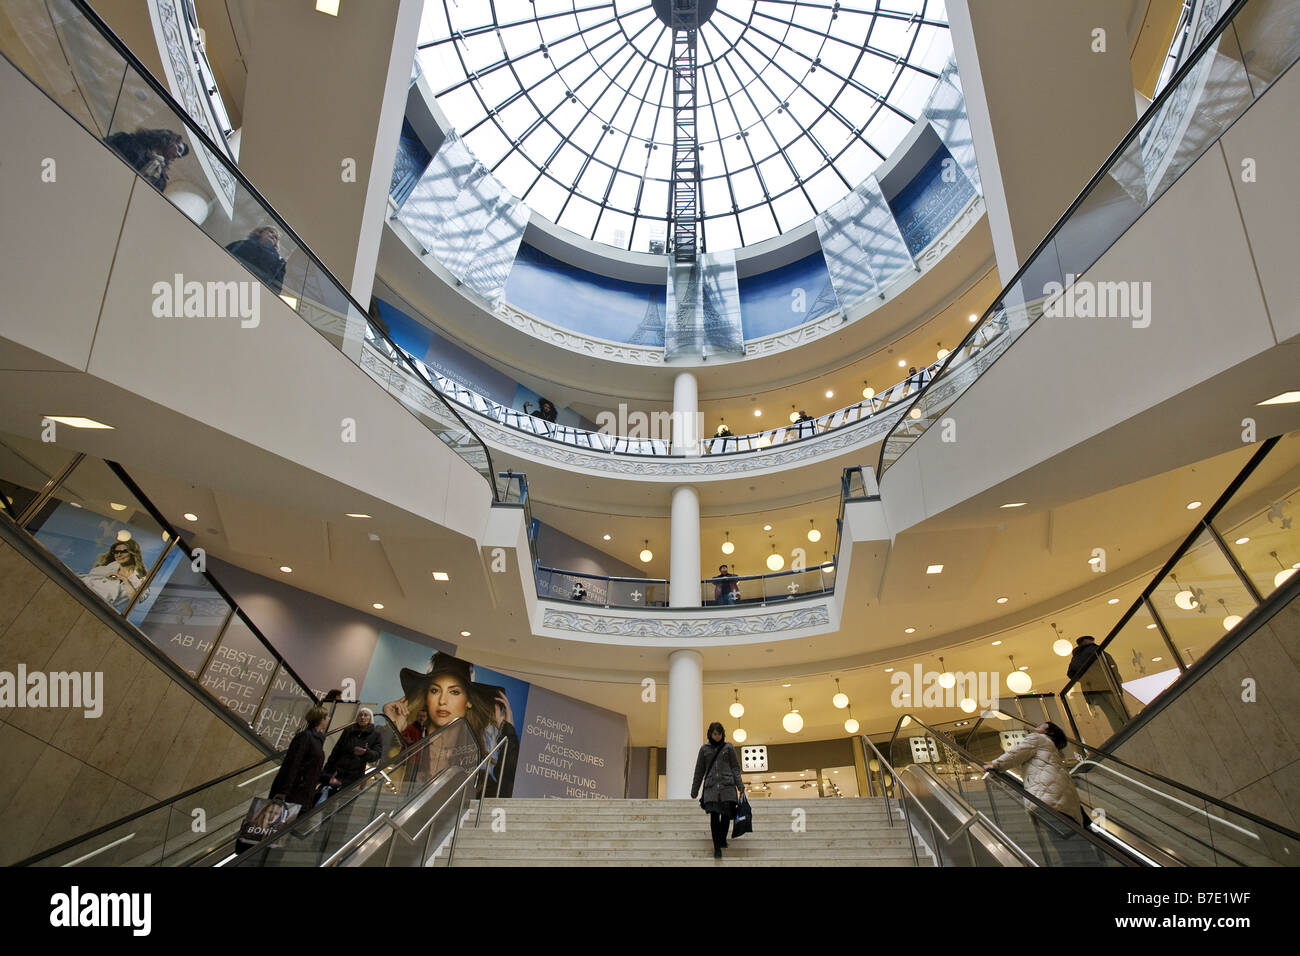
(260, 252)
(150, 152)
(726, 587)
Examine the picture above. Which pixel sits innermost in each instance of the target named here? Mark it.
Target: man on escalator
(1086, 666)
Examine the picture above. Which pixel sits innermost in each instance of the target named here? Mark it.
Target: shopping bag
(743, 822)
(266, 817)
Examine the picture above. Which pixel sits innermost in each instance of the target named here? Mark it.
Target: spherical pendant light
(851, 726)
(793, 721)
(739, 735)
(1186, 600)
(774, 561)
(737, 709)
(728, 546)
(1284, 575)
(646, 554)
(794, 416)
(1063, 648)
(1018, 681)
(813, 534)
(868, 392)
(841, 699)
(968, 705)
(946, 679)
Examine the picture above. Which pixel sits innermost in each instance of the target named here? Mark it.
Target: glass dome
(569, 104)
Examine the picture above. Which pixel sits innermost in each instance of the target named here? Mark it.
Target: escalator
(1152, 813)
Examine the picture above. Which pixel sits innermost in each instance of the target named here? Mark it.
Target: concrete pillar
(685, 720)
(1039, 141)
(323, 111)
(684, 549)
(686, 415)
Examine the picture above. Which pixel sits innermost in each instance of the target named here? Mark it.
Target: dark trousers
(718, 826)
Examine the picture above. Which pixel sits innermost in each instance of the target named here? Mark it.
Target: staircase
(533, 832)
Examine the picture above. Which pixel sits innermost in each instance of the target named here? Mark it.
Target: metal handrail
(1031, 260)
(221, 154)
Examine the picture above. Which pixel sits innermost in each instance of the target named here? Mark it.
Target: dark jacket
(723, 778)
(263, 261)
(1091, 678)
(300, 772)
(344, 762)
(151, 165)
(507, 770)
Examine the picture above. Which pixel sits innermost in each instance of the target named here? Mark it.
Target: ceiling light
(785, 685)
(767, 527)
(1151, 627)
(906, 721)
(116, 507)
(377, 607)
(606, 537)
(1283, 575)
(794, 416)
(934, 569)
(1242, 540)
(909, 630)
(793, 721)
(737, 709)
(941, 354)
(1156, 660)
(739, 735)
(1015, 504)
(355, 514)
(1018, 681)
(1063, 648)
(1113, 601)
(1186, 599)
(851, 726)
(646, 554)
(947, 679)
(841, 699)
(889, 670)
(868, 391)
(902, 363)
(758, 412)
(914, 414)
(996, 643)
(829, 393)
(441, 576)
(1231, 621)
(774, 561)
(972, 317)
(1193, 505)
(1002, 600)
(1286, 398)
(968, 705)
(190, 516)
(330, 7)
(728, 546)
(286, 569)
(813, 534)
(124, 535)
(464, 633)
(75, 422)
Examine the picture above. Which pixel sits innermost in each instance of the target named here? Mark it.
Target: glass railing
(1253, 44)
(93, 519)
(611, 591)
(1242, 550)
(442, 759)
(1044, 835)
(603, 442)
(73, 57)
(1192, 827)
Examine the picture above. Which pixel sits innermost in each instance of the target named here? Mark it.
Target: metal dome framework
(569, 104)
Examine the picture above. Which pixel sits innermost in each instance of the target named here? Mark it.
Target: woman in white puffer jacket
(1044, 772)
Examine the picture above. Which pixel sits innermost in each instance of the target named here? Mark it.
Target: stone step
(539, 828)
(690, 861)
(702, 850)
(503, 843)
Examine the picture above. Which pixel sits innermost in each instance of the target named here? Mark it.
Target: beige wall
(1247, 753)
(63, 774)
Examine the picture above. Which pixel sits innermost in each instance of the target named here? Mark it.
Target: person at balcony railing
(718, 769)
(723, 433)
(260, 252)
(726, 587)
(804, 425)
(117, 573)
(150, 152)
(1044, 773)
(579, 592)
(1086, 667)
(545, 411)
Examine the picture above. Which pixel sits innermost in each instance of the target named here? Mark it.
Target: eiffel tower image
(651, 329)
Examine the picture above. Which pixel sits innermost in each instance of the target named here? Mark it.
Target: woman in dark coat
(718, 768)
(300, 773)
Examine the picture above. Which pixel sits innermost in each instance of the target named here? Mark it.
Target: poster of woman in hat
(443, 694)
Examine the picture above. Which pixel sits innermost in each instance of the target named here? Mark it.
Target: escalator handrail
(1184, 788)
(976, 816)
(1175, 82)
(1011, 783)
(355, 788)
(221, 154)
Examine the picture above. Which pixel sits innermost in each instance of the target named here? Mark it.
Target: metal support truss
(684, 189)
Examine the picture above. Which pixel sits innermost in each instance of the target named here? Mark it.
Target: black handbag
(744, 820)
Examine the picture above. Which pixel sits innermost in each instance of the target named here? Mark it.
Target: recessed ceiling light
(1015, 504)
(464, 633)
(767, 527)
(75, 422)
(1023, 667)
(902, 363)
(1151, 627)
(286, 569)
(1193, 505)
(116, 507)
(934, 569)
(190, 516)
(356, 515)
(1242, 540)
(996, 643)
(972, 317)
(1156, 660)
(758, 412)
(1113, 601)
(377, 607)
(606, 537)
(889, 670)
(441, 576)
(909, 630)
(1002, 600)
(1286, 398)
(330, 7)
(124, 535)
(785, 685)
(829, 393)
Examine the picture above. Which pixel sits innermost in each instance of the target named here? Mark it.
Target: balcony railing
(1252, 45)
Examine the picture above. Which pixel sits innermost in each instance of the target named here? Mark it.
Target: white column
(684, 549)
(686, 413)
(685, 720)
